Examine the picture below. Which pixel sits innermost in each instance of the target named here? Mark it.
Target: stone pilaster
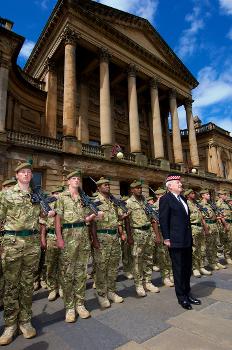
(69, 104)
(176, 137)
(83, 130)
(4, 76)
(135, 143)
(192, 135)
(105, 106)
(156, 121)
(51, 102)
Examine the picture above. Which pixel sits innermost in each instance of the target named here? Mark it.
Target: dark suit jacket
(174, 221)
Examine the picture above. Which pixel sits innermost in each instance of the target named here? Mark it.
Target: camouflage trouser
(107, 259)
(198, 247)
(40, 274)
(226, 240)
(1, 279)
(20, 260)
(211, 244)
(93, 272)
(142, 253)
(163, 260)
(73, 266)
(127, 259)
(52, 262)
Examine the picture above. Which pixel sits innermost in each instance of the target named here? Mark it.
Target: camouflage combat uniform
(52, 253)
(75, 255)
(161, 255)
(107, 257)
(1, 272)
(21, 253)
(198, 247)
(211, 238)
(226, 237)
(143, 236)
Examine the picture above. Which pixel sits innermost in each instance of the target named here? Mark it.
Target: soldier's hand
(60, 243)
(100, 215)
(123, 236)
(167, 242)
(51, 213)
(90, 217)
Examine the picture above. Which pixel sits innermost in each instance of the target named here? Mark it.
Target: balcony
(94, 151)
(206, 128)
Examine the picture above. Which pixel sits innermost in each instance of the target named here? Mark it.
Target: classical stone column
(4, 74)
(51, 102)
(69, 104)
(135, 143)
(220, 165)
(156, 121)
(176, 137)
(213, 158)
(168, 140)
(105, 106)
(192, 135)
(83, 130)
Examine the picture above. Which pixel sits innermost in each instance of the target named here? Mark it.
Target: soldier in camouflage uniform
(73, 239)
(160, 250)
(144, 238)
(198, 234)
(212, 238)
(52, 254)
(127, 259)
(5, 185)
(20, 254)
(107, 257)
(226, 232)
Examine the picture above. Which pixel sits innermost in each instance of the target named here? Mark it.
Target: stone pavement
(155, 322)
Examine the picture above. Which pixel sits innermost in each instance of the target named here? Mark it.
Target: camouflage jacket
(48, 221)
(17, 210)
(111, 213)
(71, 210)
(195, 214)
(138, 216)
(225, 208)
(210, 212)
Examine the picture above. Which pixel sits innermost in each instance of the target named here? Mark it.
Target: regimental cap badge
(23, 165)
(136, 183)
(102, 181)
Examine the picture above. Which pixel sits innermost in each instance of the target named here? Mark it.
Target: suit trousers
(182, 269)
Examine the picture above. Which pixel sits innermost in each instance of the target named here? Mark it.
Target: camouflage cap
(188, 191)
(9, 182)
(136, 183)
(75, 173)
(150, 198)
(203, 191)
(58, 189)
(160, 191)
(222, 192)
(23, 165)
(102, 181)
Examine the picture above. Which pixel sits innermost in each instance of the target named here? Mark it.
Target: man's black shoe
(194, 301)
(185, 304)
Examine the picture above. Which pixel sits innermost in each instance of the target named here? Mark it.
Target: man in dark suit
(176, 230)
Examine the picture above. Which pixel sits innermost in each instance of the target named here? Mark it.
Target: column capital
(132, 69)
(188, 103)
(69, 36)
(50, 65)
(172, 93)
(154, 83)
(104, 55)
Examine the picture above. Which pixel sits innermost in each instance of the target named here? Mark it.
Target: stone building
(99, 77)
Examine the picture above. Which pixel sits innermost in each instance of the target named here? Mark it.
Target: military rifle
(38, 197)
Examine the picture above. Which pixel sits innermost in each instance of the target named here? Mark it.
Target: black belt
(143, 228)
(22, 233)
(74, 225)
(228, 220)
(196, 224)
(51, 231)
(208, 221)
(109, 231)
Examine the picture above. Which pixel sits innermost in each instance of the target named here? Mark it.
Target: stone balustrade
(94, 151)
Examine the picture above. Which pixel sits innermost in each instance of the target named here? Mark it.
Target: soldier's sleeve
(3, 207)
(59, 208)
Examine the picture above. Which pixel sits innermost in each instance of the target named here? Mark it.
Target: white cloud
(226, 6)
(188, 41)
(26, 49)
(143, 8)
(43, 4)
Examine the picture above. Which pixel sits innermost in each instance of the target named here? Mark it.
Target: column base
(71, 145)
(141, 159)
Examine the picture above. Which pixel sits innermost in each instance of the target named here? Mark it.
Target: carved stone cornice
(69, 36)
(50, 65)
(154, 82)
(132, 70)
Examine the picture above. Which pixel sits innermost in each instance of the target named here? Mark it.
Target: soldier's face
(192, 195)
(223, 197)
(24, 176)
(151, 201)
(206, 196)
(74, 182)
(104, 188)
(137, 191)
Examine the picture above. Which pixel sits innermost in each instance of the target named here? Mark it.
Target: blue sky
(199, 31)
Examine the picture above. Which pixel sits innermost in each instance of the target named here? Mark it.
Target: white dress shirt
(178, 197)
